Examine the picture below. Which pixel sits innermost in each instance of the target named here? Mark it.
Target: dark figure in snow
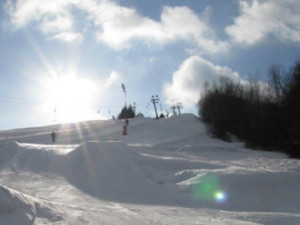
(127, 122)
(53, 136)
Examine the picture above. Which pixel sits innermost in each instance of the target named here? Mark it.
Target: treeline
(127, 112)
(262, 114)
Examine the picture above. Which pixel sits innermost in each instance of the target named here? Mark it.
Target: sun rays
(69, 96)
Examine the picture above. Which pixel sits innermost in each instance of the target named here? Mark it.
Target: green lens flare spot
(208, 188)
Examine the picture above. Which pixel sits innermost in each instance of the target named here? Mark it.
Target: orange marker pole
(124, 130)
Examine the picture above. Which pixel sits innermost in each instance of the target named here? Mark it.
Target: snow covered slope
(163, 172)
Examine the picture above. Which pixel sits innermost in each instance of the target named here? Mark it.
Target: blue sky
(73, 55)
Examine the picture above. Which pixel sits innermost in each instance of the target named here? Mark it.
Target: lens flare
(209, 189)
(220, 196)
(205, 188)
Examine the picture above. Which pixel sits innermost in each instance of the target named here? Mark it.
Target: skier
(53, 136)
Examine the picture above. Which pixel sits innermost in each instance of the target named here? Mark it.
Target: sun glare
(69, 97)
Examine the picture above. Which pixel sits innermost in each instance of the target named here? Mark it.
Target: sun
(70, 97)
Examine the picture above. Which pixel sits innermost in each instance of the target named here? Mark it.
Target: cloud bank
(260, 19)
(113, 24)
(188, 81)
(119, 26)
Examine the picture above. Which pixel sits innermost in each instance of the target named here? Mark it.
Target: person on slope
(53, 135)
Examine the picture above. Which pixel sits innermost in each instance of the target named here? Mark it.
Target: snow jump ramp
(109, 171)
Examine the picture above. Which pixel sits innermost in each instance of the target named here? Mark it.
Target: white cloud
(25, 11)
(116, 25)
(71, 37)
(113, 78)
(59, 22)
(53, 18)
(258, 19)
(176, 23)
(188, 81)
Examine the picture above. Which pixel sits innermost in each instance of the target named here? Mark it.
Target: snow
(166, 171)
(17, 208)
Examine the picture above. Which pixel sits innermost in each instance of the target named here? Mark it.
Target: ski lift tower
(155, 100)
(179, 106)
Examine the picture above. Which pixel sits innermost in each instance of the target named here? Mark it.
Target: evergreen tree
(140, 115)
(126, 112)
(162, 115)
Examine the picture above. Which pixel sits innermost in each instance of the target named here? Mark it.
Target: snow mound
(17, 208)
(174, 129)
(108, 170)
(15, 205)
(8, 150)
(28, 157)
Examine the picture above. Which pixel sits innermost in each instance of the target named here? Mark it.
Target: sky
(65, 60)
